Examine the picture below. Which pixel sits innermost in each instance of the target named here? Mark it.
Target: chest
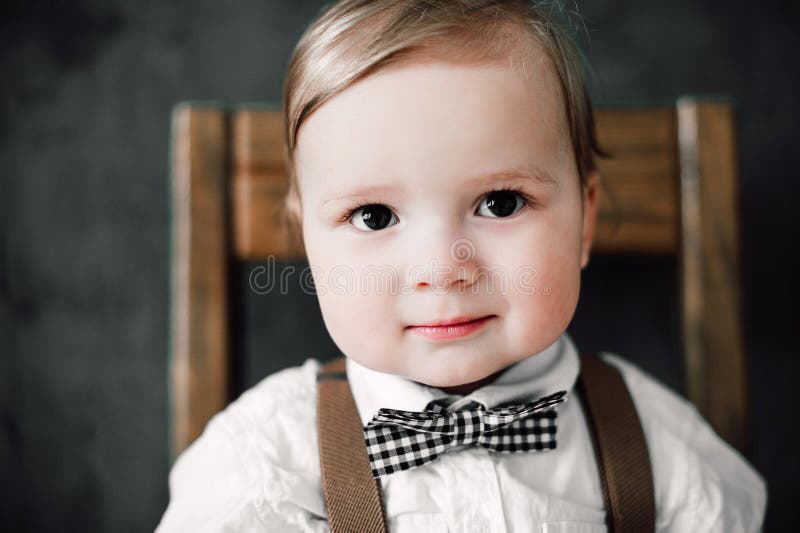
(473, 489)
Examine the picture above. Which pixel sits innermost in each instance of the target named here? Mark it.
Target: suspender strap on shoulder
(352, 496)
(619, 446)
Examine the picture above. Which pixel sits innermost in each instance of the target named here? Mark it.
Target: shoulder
(256, 465)
(701, 482)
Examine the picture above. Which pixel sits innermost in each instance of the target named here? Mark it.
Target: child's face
(425, 140)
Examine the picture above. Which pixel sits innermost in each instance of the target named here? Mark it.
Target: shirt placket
(475, 511)
(491, 518)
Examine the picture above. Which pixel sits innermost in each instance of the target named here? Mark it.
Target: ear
(591, 192)
(293, 206)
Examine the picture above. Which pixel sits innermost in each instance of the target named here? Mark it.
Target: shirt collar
(553, 369)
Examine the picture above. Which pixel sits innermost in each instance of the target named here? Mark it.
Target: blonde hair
(353, 38)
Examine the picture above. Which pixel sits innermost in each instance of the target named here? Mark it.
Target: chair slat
(258, 186)
(638, 202)
(638, 205)
(713, 347)
(200, 252)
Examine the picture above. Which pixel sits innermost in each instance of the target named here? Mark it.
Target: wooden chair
(671, 188)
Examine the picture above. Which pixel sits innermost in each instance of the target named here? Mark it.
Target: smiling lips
(451, 329)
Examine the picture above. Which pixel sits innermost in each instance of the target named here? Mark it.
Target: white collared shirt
(256, 466)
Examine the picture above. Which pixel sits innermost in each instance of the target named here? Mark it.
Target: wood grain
(638, 209)
(200, 251)
(259, 185)
(713, 349)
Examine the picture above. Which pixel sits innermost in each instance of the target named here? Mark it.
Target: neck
(467, 388)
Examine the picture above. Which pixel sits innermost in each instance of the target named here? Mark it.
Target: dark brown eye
(372, 217)
(499, 204)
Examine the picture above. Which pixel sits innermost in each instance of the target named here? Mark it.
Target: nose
(444, 262)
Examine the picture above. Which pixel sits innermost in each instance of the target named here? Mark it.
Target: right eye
(372, 217)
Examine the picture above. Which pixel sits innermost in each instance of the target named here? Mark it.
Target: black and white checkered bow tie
(399, 440)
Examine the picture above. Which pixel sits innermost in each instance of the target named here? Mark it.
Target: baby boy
(442, 169)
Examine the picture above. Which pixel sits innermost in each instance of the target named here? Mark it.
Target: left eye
(500, 204)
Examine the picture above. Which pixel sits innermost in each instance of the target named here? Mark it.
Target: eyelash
(527, 201)
(350, 211)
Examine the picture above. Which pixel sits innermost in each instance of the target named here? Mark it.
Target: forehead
(436, 119)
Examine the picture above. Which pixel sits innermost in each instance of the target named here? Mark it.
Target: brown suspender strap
(352, 496)
(619, 447)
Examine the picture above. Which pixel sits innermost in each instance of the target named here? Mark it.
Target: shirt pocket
(573, 526)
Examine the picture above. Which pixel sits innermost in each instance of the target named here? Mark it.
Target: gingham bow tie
(399, 440)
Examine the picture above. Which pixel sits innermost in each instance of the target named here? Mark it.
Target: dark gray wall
(85, 98)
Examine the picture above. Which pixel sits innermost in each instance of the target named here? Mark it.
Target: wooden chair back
(671, 187)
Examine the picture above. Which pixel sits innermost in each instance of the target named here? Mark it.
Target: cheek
(544, 289)
(361, 326)
(551, 276)
(360, 319)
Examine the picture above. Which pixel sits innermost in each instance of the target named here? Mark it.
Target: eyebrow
(360, 192)
(527, 173)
